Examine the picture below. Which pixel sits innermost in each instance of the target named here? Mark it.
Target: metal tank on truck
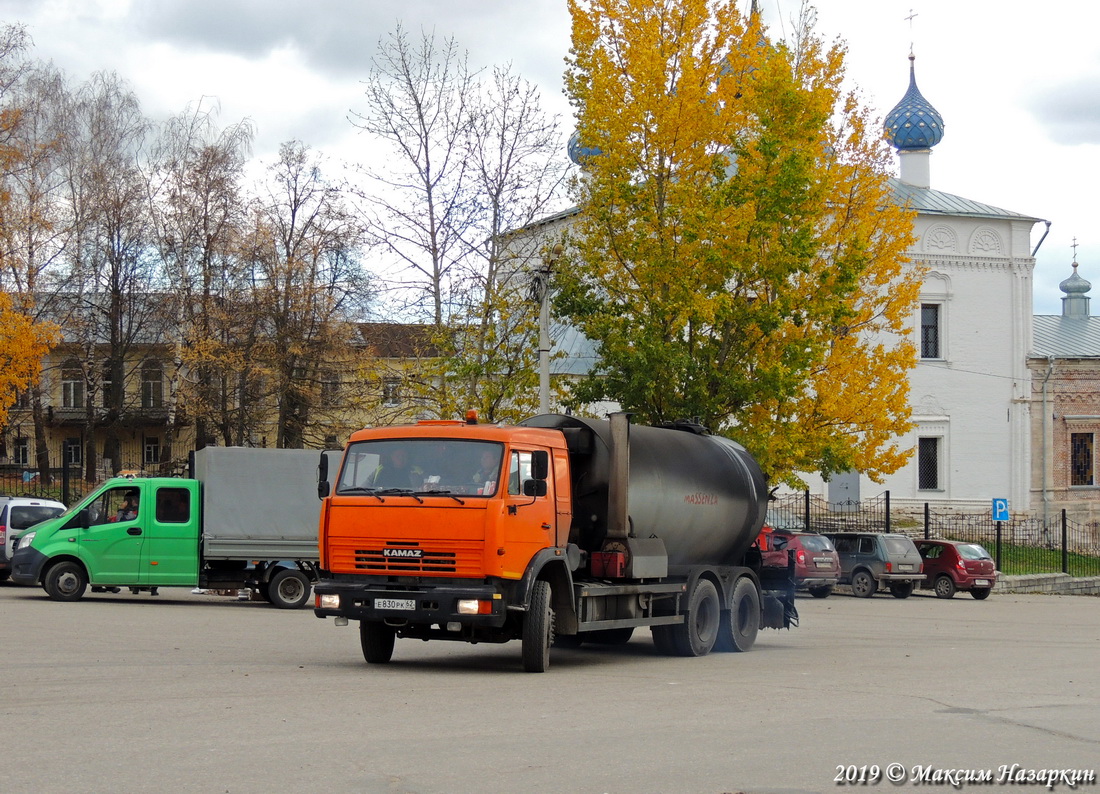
(569, 531)
(704, 496)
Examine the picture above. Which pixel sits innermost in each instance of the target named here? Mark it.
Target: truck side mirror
(83, 519)
(540, 465)
(534, 487)
(323, 488)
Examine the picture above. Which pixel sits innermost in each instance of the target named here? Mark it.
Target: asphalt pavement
(202, 693)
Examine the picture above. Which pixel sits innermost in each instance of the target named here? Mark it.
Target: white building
(971, 391)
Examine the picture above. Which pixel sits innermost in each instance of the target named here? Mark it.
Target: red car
(816, 563)
(951, 565)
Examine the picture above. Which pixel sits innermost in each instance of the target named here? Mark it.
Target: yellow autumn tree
(23, 343)
(737, 259)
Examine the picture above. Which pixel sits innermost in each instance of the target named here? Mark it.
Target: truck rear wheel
(742, 622)
(288, 589)
(538, 629)
(699, 631)
(377, 641)
(66, 581)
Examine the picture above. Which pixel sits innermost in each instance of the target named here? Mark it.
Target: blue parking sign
(1000, 510)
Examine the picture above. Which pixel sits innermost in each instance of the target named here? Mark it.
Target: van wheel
(288, 589)
(699, 631)
(821, 592)
(981, 593)
(538, 629)
(741, 622)
(377, 641)
(66, 581)
(945, 588)
(863, 584)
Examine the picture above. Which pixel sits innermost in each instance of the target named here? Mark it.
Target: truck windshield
(421, 465)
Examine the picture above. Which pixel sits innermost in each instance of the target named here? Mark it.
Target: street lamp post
(542, 293)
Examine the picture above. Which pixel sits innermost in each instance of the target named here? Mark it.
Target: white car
(18, 513)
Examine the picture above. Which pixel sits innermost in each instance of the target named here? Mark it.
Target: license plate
(823, 562)
(395, 603)
(981, 582)
(905, 567)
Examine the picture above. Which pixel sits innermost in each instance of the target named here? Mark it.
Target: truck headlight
(25, 539)
(330, 601)
(473, 606)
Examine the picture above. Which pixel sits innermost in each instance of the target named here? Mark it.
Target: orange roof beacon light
(471, 416)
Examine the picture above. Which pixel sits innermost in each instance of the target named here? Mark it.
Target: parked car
(870, 559)
(17, 513)
(953, 565)
(816, 563)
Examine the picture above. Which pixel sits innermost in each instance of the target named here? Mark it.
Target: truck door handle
(133, 531)
(545, 525)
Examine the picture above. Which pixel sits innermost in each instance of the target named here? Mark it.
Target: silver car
(18, 513)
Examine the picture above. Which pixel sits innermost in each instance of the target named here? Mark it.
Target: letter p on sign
(1000, 510)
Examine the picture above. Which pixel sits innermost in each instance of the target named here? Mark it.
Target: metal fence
(67, 484)
(1019, 546)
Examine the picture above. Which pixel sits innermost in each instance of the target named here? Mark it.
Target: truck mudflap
(478, 605)
(777, 610)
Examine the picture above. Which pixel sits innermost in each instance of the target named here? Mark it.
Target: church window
(930, 330)
(928, 463)
(1081, 470)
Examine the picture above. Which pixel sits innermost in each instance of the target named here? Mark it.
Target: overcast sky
(1018, 84)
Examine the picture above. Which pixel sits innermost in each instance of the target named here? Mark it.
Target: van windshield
(421, 466)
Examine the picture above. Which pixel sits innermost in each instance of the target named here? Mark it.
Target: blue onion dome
(914, 123)
(578, 152)
(1075, 285)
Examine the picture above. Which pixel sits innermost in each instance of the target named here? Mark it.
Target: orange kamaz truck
(559, 530)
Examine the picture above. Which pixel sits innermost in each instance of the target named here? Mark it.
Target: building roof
(1065, 337)
(935, 202)
(398, 340)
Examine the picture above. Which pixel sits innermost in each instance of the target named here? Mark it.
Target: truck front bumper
(480, 605)
(26, 565)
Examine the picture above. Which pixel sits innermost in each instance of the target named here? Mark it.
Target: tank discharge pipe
(618, 501)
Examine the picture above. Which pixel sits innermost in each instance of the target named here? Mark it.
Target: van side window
(173, 506)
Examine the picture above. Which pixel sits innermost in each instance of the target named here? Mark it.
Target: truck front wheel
(538, 629)
(699, 631)
(66, 581)
(742, 622)
(377, 641)
(288, 589)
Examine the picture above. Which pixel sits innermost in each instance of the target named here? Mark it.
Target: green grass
(1020, 560)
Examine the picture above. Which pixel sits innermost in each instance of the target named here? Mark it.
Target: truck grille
(453, 557)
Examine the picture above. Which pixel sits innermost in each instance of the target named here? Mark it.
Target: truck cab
(141, 533)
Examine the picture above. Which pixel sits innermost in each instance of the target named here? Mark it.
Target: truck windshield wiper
(399, 492)
(442, 493)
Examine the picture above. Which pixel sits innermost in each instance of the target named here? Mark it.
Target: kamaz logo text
(415, 554)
